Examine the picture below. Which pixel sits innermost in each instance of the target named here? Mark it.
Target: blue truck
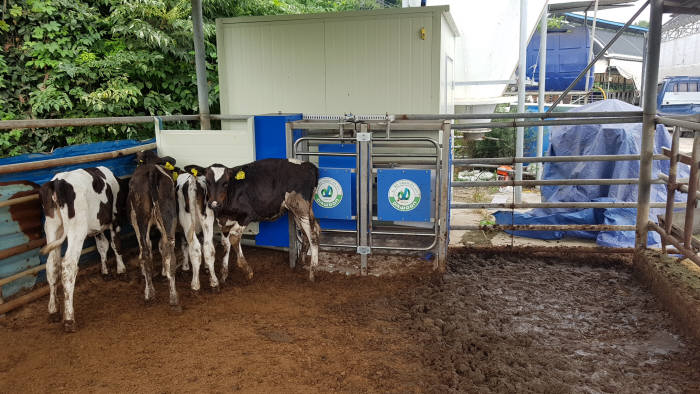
(679, 96)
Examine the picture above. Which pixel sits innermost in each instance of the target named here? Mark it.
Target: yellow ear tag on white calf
(194, 171)
(169, 166)
(240, 175)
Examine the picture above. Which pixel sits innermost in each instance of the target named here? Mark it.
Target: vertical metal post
(648, 126)
(520, 131)
(293, 247)
(443, 198)
(541, 85)
(364, 138)
(644, 68)
(692, 193)
(200, 64)
(671, 187)
(590, 50)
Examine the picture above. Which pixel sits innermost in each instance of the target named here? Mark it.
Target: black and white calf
(152, 202)
(196, 217)
(78, 204)
(262, 191)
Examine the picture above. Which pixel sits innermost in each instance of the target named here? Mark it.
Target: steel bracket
(363, 137)
(364, 250)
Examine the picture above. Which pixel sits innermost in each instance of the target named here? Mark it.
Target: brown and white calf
(196, 217)
(262, 191)
(152, 202)
(78, 204)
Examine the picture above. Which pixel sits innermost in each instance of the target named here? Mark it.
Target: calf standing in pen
(262, 191)
(78, 204)
(196, 217)
(152, 201)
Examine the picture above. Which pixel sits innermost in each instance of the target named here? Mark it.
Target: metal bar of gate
(520, 115)
(293, 245)
(671, 184)
(364, 139)
(553, 182)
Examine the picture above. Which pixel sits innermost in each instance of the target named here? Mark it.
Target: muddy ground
(491, 324)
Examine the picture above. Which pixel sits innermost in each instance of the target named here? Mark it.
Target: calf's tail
(46, 194)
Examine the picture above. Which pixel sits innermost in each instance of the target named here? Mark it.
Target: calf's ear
(195, 170)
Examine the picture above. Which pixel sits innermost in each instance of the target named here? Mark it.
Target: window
(683, 87)
(693, 87)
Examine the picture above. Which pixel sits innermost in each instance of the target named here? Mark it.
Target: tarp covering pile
(585, 140)
(120, 166)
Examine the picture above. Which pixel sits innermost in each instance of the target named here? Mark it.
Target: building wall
(359, 62)
(567, 55)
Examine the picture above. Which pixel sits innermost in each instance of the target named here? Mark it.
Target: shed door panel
(275, 67)
(379, 65)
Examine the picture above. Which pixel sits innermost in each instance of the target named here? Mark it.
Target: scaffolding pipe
(590, 49)
(649, 124)
(542, 82)
(601, 54)
(551, 159)
(200, 64)
(81, 122)
(528, 205)
(516, 115)
(522, 64)
(558, 122)
(553, 182)
(671, 183)
(686, 124)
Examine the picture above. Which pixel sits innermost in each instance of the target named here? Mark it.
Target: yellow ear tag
(175, 174)
(194, 171)
(169, 166)
(240, 175)
(140, 161)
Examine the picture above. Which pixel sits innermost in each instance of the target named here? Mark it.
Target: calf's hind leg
(241, 262)
(304, 217)
(102, 245)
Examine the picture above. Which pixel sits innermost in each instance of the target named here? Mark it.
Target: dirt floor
(491, 324)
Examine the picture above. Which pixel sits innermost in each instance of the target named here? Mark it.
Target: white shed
(364, 62)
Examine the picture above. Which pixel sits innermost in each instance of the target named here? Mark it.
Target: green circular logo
(404, 195)
(329, 193)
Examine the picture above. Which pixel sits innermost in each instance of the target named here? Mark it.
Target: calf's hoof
(106, 277)
(55, 317)
(69, 326)
(176, 308)
(124, 277)
(215, 289)
(249, 275)
(149, 301)
(312, 277)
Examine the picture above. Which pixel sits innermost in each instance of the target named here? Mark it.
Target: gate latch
(364, 250)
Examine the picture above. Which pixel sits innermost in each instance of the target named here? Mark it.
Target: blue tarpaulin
(585, 140)
(120, 166)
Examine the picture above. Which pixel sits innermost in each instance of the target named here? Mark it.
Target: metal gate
(397, 175)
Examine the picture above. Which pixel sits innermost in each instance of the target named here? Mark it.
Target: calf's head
(150, 157)
(219, 180)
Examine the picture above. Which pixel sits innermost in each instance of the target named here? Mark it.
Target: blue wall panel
(271, 142)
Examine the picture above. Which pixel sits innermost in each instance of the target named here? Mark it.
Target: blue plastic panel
(403, 195)
(333, 198)
(340, 162)
(271, 142)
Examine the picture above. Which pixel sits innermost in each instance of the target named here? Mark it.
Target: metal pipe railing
(545, 227)
(41, 164)
(527, 205)
(686, 124)
(518, 115)
(558, 122)
(80, 122)
(552, 182)
(552, 159)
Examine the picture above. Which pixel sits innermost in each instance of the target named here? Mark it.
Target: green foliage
(92, 58)
(642, 23)
(555, 22)
(500, 142)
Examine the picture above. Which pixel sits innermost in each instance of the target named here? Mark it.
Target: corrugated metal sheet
(19, 224)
